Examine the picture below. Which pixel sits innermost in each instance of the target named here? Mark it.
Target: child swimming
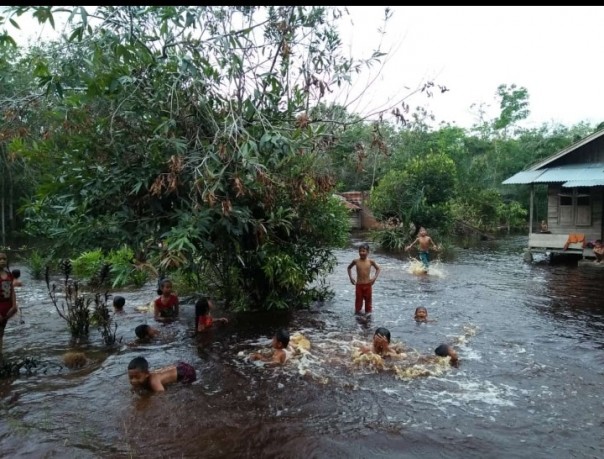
(141, 378)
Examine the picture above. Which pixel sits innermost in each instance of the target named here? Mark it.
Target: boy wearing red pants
(364, 281)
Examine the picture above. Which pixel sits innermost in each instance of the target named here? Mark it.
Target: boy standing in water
(364, 281)
(424, 242)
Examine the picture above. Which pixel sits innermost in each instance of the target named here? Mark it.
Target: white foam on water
(435, 268)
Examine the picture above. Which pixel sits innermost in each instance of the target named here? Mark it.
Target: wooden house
(354, 210)
(361, 217)
(575, 188)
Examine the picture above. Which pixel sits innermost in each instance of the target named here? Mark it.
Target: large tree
(192, 126)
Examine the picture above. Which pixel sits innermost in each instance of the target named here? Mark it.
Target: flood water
(530, 339)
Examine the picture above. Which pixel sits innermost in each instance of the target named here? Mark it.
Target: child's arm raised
(411, 245)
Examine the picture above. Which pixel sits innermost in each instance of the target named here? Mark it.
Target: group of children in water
(166, 308)
(363, 296)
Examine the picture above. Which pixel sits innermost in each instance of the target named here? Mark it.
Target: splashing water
(417, 268)
(328, 358)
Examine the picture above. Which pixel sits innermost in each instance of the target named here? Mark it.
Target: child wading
(166, 305)
(425, 242)
(364, 281)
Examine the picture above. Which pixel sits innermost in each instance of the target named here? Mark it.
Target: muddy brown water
(530, 339)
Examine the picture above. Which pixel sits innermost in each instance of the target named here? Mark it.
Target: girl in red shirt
(166, 306)
(203, 316)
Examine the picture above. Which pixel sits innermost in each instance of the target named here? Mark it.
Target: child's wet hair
(383, 332)
(443, 350)
(16, 273)
(282, 336)
(119, 302)
(142, 331)
(139, 363)
(202, 306)
(162, 282)
(365, 246)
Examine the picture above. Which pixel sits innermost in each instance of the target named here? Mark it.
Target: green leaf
(6, 40)
(77, 33)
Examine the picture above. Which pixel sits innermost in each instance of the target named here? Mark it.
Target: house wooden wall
(592, 152)
(362, 219)
(592, 232)
(355, 220)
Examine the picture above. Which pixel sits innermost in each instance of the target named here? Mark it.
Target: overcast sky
(554, 52)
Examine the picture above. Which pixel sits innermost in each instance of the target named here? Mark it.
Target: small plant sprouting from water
(12, 368)
(103, 319)
(36, 263)
(76, 310)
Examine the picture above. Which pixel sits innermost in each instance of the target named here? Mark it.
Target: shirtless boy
(381, 345)
(280, 354)
(141, 378)
(425, 242)
(364, 281)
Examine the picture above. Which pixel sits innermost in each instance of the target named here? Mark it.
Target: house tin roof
(572, 175)
(584, 141)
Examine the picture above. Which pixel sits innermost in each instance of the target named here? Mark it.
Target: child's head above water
(145, 331)
(446, 350)
(16, 273)
(119, 302)
(381, 334)
(281, 339)
(202, 307)
(421, 313)
(165, 287)
(138, 371)
(381, 331)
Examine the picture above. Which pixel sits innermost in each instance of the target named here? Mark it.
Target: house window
(574, 208)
